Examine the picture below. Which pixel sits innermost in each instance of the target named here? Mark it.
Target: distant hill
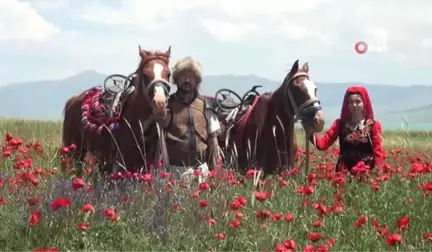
(45, 99)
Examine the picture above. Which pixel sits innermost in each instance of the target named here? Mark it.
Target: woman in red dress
(360, 136)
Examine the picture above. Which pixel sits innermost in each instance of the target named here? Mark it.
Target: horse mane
(153, 55)
(157, 55)
(269, 104)
(68, 103)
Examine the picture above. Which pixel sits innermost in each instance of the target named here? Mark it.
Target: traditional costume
(361, 143)
(190, 123)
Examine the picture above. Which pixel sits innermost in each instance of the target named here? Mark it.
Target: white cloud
(228, 31)
(265, 36)
(51, 5)
(427, 42)
(19, 20)
(400, 56)
(245, 9)
(137, 13)
(3, 69)
(379, 36)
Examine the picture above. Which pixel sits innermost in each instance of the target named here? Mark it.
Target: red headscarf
(367, 105)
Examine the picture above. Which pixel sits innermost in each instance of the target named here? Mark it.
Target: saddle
(103, 105)
(229, 115)
(230, 112)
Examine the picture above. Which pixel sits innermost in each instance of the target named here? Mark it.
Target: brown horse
(149, 94)
(138, 130)
(264, 136)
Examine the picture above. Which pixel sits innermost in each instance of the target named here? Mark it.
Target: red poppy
(34, 218)
(78, 183)
(60, 202)
(403, 222)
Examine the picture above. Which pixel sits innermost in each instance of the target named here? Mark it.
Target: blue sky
(50, 39)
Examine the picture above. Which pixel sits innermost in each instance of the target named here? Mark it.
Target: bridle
(303, 111)
(157, 82)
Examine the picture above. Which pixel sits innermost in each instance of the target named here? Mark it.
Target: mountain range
(45, 99)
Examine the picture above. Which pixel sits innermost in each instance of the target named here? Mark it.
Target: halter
(303, 110)
(158, 82)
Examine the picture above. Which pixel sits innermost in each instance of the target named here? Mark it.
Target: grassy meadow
(44, 209)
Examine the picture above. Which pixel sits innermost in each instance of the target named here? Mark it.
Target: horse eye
(146, 78)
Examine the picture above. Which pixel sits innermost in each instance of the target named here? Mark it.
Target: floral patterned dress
(360, 143)
(356, 145)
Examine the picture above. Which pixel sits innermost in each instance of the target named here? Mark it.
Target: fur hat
(187, 63)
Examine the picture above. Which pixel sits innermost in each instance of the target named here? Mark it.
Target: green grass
(188, 229)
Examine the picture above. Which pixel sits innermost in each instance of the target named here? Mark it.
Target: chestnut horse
(150, 86)
(138, 129)
(264, 136)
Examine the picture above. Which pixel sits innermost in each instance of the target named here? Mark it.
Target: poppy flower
(34, 218)
(60, 203)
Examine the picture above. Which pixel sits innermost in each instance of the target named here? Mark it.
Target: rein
(160, 217)
(161, 153)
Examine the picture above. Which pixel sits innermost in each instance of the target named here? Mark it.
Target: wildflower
(290, 244)
(261, 196)
(305, 190)
(238, 203)
(427, 236)
(78, 183)
(314, 237)
(211, 222)
(239, 216)
(203, 203)
(34, 218)
(46, 250)
(289, 217)
(87, 208)
(318, 223)
(276, 217)
(361, 221)
(393, 239)
(402, 223)
(204, 186)
(164, 175)
(321, 248)
(60, 202)
(111, 214)
(83, 226)
(308, 248)
(2, 201)
(235, 224)
(221, 236)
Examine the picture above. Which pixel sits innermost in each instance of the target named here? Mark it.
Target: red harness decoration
(242, 122)
(95, 112)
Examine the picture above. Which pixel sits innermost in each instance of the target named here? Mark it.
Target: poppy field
(45, 208)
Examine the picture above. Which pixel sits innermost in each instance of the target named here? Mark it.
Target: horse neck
(138, 102)
(281, 106)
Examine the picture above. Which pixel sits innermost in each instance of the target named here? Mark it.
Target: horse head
(302, 98)
(153, 75)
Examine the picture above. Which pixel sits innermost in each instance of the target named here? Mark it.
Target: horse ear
(168, 52)
(141, 52)
(305, 67)
(294, 68)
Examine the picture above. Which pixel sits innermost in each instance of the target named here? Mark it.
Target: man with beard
(192, 125)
